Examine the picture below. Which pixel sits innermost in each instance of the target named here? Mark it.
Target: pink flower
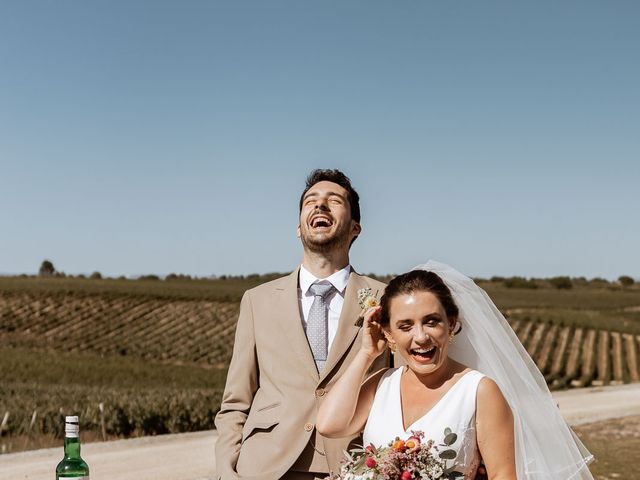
(370, 462)
(412, 444)
(405, 475)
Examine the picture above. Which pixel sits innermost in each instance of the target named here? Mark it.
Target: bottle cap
(71, 427)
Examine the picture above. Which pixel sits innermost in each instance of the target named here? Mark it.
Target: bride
(466, 371)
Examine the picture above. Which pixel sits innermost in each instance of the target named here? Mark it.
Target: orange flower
(398, 445)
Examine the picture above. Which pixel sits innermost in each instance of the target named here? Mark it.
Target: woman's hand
(373, 340)
(346, 406)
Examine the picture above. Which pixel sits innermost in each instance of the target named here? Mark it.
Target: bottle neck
(72, 447)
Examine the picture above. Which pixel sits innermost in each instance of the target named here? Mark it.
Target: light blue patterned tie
(317, 323)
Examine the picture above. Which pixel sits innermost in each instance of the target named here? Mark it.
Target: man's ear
(298, 231)
(357, 228)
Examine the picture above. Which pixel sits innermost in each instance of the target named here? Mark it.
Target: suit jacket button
(308, 427)
(320, 392)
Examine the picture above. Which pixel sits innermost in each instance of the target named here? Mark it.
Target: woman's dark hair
(335, 176)
(417, 281)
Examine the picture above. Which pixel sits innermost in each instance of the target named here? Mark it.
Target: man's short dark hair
(335, 176)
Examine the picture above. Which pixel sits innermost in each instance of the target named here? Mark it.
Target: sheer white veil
(546, 448)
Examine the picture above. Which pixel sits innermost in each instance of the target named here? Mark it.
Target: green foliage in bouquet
(414, 458)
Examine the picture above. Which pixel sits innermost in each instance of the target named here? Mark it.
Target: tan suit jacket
(266, 423)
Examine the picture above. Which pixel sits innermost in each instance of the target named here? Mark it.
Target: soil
(616, 447)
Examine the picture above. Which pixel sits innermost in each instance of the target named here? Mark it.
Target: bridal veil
(546, 448)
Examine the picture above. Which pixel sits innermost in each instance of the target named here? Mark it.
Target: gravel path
(588, 405)
(189, 456)
(184, 456)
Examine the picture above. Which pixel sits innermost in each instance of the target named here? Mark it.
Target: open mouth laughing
(424, 355)
(321, 222)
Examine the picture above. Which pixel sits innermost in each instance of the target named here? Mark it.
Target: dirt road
(588, 405)
(185, 456)
(189, 456)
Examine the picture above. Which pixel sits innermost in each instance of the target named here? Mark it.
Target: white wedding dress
(455, 410)
(545, 447)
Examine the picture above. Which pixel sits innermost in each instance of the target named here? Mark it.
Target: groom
(294, 338)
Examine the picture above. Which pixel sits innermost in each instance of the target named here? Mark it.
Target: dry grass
(616, 446)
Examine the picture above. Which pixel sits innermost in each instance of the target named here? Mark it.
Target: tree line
(47, 269)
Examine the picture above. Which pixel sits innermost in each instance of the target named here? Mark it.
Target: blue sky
(156, 137)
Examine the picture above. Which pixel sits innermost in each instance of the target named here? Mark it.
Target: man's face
(325, 218)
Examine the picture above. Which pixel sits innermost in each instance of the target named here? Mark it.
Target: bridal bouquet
(409, 459)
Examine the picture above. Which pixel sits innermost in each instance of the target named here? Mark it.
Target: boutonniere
(367, 300)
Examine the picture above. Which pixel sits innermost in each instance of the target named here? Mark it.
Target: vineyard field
(155, 353)
(35, 409)
(157, 329)
(188, 328)
(576, 357)
(137, 397)
(47, 367)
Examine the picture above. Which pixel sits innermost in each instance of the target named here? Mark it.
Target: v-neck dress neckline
(428, 412)
(455, 410)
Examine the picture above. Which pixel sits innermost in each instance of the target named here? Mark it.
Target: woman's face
(420, 328)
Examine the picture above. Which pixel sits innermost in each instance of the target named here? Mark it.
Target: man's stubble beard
(326, 244)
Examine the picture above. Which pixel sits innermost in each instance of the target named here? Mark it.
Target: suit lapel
(288, 317)
(347, 331)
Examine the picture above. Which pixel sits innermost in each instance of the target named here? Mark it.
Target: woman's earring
(390, 343)
(454, 332)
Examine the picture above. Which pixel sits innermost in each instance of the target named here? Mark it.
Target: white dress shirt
(335, 300)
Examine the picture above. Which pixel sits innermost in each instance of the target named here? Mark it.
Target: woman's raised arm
(346, 406)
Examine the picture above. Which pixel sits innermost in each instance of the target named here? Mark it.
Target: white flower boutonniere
(367, 300)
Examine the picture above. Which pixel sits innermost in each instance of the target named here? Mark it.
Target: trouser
(291, 475)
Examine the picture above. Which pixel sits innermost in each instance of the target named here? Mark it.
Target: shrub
(580, 281)
(599, 282)
(128, 411)
(561, 283)
(519, 282)
(178, 276)
(626, 280)
(149, 277)
(47, 269)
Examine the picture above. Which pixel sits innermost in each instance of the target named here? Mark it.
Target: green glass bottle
(72, 465)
